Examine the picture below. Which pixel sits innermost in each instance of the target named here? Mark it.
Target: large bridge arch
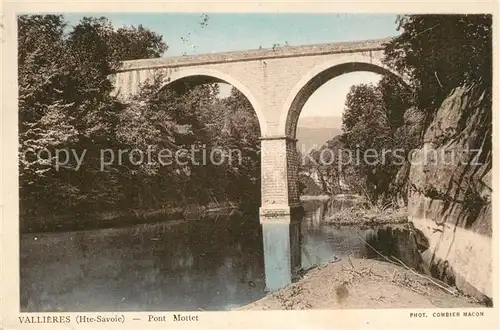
(205, 75)
(321, 74)
(277, 83)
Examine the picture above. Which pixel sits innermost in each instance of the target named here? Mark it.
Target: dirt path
(360, 283)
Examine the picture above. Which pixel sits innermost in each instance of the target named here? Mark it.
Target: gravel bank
(361, 283)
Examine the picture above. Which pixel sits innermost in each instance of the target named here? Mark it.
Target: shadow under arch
(177, 80)
(319, 76)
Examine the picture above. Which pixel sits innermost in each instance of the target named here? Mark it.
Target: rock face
(449, 191)
(410, 134)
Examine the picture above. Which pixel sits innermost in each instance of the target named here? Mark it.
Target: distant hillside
(315, 131)
(320, 122)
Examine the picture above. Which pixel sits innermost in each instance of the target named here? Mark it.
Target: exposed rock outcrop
(409, 136)
(449, 191)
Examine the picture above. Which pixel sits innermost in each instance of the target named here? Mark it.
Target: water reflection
(322, 243)
(212, 263)
(205, 264)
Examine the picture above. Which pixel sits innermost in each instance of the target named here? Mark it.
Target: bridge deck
(256, 54)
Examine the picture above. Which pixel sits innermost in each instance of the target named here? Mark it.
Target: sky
(197, 33)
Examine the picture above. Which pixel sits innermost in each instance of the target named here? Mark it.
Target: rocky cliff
(449, 191)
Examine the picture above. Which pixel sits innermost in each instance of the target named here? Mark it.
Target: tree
(438, 53)
(367, 134)
(65, 104)
(441, 52)
(136, 43)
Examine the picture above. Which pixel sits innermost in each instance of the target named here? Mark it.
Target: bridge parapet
(256, 54)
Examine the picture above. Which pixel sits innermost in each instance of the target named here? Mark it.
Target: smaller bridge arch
(205, 75)
(321, 74)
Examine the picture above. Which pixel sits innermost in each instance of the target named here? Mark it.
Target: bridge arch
(321, 74)
(204, 75)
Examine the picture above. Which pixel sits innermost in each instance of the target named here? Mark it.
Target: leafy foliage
(441, 52)
(66, 104)
(438, 53)
(368, 132)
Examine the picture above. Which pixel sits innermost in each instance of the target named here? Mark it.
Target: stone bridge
(277, 82)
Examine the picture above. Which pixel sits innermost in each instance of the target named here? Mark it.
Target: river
(211, 263)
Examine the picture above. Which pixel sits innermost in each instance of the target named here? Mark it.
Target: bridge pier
(281, 211)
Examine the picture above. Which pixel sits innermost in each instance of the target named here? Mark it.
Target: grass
(368, 215)
(315, 197)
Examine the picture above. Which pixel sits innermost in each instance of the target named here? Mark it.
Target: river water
(212, 263)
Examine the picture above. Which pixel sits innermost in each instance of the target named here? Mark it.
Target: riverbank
(328, 197)
(315, 197)
(121, 218)
(359, 284)
(367, 217)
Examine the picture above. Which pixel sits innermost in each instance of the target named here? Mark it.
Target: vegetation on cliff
(437, 53)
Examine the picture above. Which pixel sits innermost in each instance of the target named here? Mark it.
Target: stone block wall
(274, 182)
(292, 171)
